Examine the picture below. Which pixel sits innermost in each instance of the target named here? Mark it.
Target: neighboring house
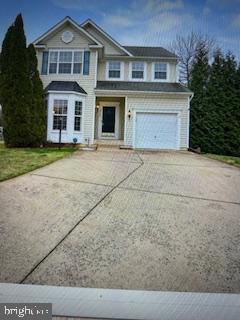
(98, 89)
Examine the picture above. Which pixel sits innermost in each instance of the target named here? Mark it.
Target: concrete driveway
(124, 219)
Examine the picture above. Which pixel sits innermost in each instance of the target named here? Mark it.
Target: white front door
(156, 131)
(108, 124)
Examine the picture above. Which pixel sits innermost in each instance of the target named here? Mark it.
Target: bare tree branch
(186, 49)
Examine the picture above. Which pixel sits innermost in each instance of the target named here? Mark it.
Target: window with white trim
(114, 69)
(160, 71)
(78, 116)
(78, 62)
(65, 62)
(137, 70)
(53, 62)
(60, 108)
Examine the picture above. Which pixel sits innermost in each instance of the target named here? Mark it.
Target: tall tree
(186, 48)
(215, 113)
(231, 106)
(198, 84)
(16, 91)
(215, 108)
(38, 110)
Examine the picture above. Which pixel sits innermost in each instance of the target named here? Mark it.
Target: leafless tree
(186, 47)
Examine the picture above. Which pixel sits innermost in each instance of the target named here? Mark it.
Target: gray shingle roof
(65, 86)
(142, 86)
(157, 52)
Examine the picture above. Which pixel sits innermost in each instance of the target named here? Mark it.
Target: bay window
(60, 108)
(78, 116)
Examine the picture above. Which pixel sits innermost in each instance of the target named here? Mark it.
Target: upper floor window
(65, 62)
(160, 71)
(137, 71)
(114, 70)
(60, 114)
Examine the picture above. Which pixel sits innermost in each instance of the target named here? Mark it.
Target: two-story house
(97, 89)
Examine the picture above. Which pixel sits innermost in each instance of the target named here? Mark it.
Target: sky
(133, 22)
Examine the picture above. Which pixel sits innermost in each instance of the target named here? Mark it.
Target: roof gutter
(140, 57)
(144, 92)
(65, 92)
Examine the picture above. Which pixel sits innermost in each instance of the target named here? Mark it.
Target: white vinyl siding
(156, 104)
(109, 47)
(79, 40)
(102, 74)
(87, 82)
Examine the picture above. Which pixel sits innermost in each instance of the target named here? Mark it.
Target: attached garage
(157, 130)
(156, 114)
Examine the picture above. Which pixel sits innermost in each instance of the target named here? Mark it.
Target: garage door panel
(156, 131)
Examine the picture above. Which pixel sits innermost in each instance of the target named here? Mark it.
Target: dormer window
(159, 71)
(114, 70)
(137, 70)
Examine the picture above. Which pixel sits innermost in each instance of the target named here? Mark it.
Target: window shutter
(45, 62)
(86, 62)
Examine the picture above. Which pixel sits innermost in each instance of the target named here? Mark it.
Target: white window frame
(60, 115)
(72, 62)
(121, 71)
(144, 71)
(153, 72)
(78, 116)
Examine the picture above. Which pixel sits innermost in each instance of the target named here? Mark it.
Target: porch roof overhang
(145, 87)
(65, 86)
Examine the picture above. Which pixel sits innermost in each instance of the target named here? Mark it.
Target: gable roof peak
(60, 23)
(105, 34)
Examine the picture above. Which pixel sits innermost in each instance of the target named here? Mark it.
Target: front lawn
(16, 161)
(228, 159)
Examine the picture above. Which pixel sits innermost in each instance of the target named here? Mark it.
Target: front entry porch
(109, 120)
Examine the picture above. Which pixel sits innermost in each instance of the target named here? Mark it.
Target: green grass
(227, 159)
(17, 161)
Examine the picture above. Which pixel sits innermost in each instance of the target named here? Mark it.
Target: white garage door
(156, 131)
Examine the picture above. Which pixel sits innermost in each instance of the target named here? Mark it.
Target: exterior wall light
(97, 106)
(129, 114)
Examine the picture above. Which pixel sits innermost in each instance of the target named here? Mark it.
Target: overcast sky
(136, 22)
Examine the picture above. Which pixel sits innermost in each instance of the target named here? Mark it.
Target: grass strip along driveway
(235, 161)
(17, 161)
